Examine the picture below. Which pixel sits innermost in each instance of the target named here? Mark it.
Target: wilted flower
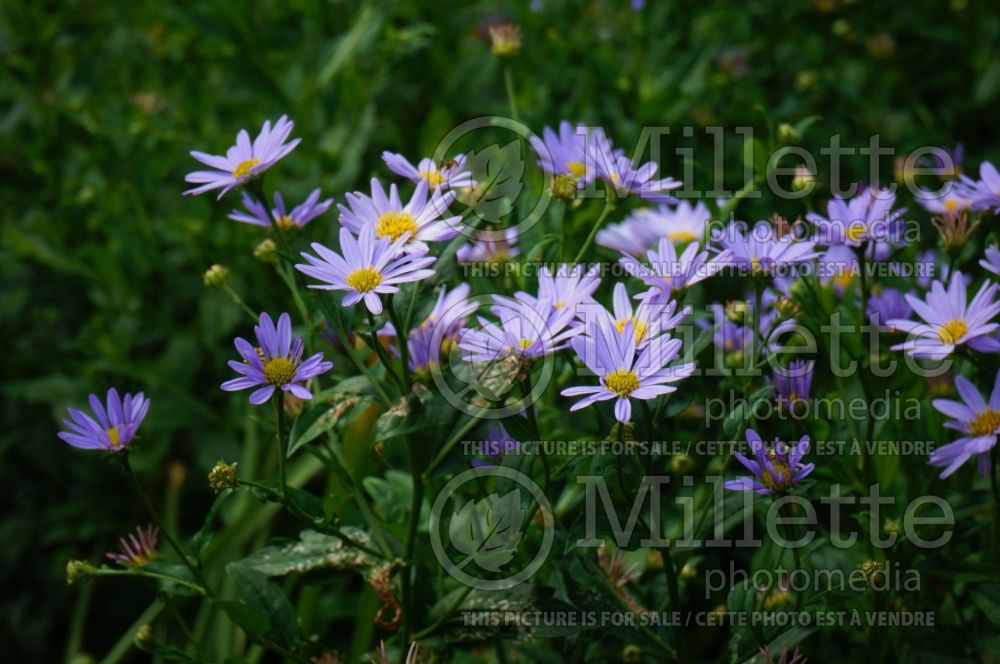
(505, 40)
(491, 246)
(258, 215)
(624, 373)
(949, 321)
(642, 230)
(115, 426)
(954, 229)
(450, 175)
(667, 272)
(774, 470)
(222, 476)
(136, 549)
(275, 362)
(978, 419)
(245, 160)
(367, 269)
(419, 221)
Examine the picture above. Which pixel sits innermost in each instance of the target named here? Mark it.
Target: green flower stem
(411, 537)
(234, 296)
(609, 205)
(401, 342)
(450, 445)
(508, 79)
(372, 339)
(337, 321)
(533, 427)
(139, 571)
(279, 418)
(155, 516)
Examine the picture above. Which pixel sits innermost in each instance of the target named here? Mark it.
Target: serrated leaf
(488, 531)
(313, 551)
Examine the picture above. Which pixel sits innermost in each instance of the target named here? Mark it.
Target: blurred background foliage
(101, 258)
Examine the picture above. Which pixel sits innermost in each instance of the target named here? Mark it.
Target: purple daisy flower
(949, 321)
(839, 266)
(992, 260)
(624, 373)
(436, 334)
(774, 470)
(978, 419)
(245, 160)
(450, 175)
(866, 217)
(115, 426)
(136, 549)
(258, 215)
(794, 382)
(495, 447)
(570, 287)
(651, 318)
(367, 269)
(617, 170)
(564, 153)
(667, 272)
(641, 231)
(526, 331)
(888, 304)
(420, 221)
(984, 192)
(761, 251)
(491, 246)
(951, 199)
(276, 361)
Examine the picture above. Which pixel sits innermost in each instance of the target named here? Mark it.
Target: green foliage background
(101, 258)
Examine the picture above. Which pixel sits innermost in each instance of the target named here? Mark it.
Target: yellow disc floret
(856, 231)
(952, 331)
(394, 224)
(577, 168)
(681, 236)
(985, 423)
(622, 382)
(434, 178)
(639, 326)
(243, 168)
(364, 280)
(114, 437)
(279, 371)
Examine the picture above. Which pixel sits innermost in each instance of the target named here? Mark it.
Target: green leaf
(489, 530)
(987, 598)
(403, 418)
(206, 533)
(499, 171)
(313, 551)
(265, 598)
(391, 494)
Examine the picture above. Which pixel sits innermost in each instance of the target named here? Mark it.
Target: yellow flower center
(843, 279)
(394, 224)
(434, 178)
(622, 382)
(950, 204)
(114, 437)
(364, 280)
(525, 344)
(755, 264)
(682, 236)
(856, 231)
(639, 326)
(577, 168)
(285, 223)
(781, 478)
(952, 331)
(279, 371)
(243, 168)
(559, 304)
(985, 423)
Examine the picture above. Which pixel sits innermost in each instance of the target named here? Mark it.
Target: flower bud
(77, 570)
(892, 527)
(266, 251)
(787, 133)
(787, 307)
(564, 186)
(215, 275)
(681, 463)
(222, 476)
(632, 654)
(505, 40)
(144, 634)
(803, 178)
(873, 570)
(689, 571)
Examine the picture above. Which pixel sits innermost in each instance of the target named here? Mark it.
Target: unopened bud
(266, 251)
(144, 634)
(505, 40)
(803, 178)
(873, 570)
(77, 570)
(787, 133)
(215, 275)
(787, 307)
(689, 571)
(222, 476)
(564, 186)
(681, 463)
(632, 654)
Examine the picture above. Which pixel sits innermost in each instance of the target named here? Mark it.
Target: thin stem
(138, 571)
(234, 296)
(609, 205)
(416, 503)
(372, 339)
(279, 418)
(758, 297)
(533, 427)
(508, 79)
(444, 615)
(338, 322)
(450, 445)
(402, 342)
(155, 516)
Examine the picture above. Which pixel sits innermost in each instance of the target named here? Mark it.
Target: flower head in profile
(762, 251)
(617, 170)
(794, 382)
(624, 372)
(274, 363)
(524, 332)
(369, 267)
(866, 217)
(420, 221)
(258, 215)
(564, 153)
(113, 425)
(984, 192)
(451, 174)
(888, 304)
(244, 161)
(977, 419)
(567, 288)
(774, 470)
(949, 320)
(491, 246)
(438, 332)
(951, 200)
(642, 230)
(496, 446)
(668, 272)
(839, 267)
(136, 549)
(992, 260)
